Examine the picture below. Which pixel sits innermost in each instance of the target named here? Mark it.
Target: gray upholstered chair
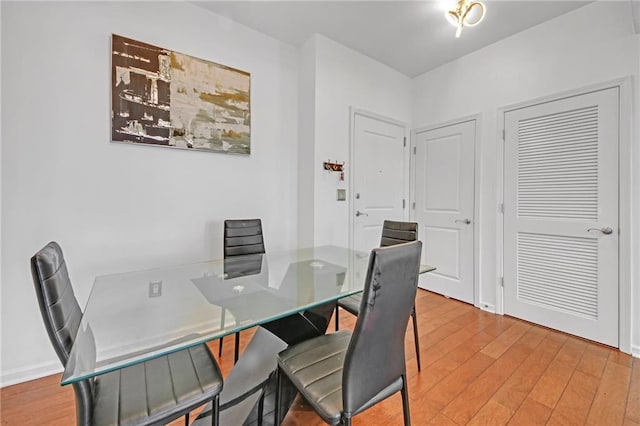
(242, 237)
(154, 392)
(341, 374)
(392, 233)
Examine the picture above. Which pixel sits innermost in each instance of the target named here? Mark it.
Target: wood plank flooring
(477, 369)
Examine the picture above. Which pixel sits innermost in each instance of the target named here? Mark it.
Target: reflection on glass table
(135, 316)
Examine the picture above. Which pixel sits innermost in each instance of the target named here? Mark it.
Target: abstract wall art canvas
(165, 98)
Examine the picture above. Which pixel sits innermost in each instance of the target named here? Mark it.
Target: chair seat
(351, 303)
(157, 390)
(315, 368)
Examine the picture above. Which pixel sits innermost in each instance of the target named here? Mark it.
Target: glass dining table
(133, 317)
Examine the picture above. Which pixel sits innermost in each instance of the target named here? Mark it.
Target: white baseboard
(19, 375)
(488, 307)
(635, 351)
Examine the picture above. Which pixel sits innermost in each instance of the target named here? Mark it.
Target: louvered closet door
(561, 201)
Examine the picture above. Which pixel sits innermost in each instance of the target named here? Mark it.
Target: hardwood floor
(477, 368)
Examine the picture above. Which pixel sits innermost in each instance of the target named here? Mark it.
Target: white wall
(344, 79)
(306, 142)
(116, 207)
(1, 191)
(635, 207)
(590, 45)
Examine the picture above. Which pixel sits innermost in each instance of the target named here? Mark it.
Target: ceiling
(410, 36)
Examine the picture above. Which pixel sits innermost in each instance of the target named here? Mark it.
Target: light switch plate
(155, 288)
(342, 195)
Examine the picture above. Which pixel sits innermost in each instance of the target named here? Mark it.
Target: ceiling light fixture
(466, 14)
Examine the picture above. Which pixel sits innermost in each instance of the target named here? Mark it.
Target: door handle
(606, 230)
(465, 221)
(359, 213)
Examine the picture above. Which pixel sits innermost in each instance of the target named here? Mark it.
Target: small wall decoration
(334, 167)
(161, 97)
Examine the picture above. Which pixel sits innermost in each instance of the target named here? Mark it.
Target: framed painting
(165, 98)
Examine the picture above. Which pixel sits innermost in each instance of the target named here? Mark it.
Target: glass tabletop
(136, 316)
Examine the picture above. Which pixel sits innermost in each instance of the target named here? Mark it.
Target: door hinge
(414, 205)
(414, 150)
(405, 141)
(503, 136)
(403, 203)
(501, 207)
(502, 282)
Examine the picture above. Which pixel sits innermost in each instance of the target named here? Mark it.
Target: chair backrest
(398, 232)
(61, 314)
(243, 236)
(375, 357)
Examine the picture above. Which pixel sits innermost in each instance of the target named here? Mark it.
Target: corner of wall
(635, 197)
(1, 287)
(306, 141)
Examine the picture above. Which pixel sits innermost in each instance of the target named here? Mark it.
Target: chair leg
(337, 319)
(415, 336)
(215, 411)
(346, 419)
(186, 419)
(261, 409)
(276, 420)
(222, 315)
(405, 401)
(237, 349)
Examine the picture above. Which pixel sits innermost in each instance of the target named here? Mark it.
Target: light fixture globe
(474, 14)
(466, 13)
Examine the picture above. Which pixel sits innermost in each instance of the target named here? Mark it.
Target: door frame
(625, 265)
(476, 191)
(353, 112)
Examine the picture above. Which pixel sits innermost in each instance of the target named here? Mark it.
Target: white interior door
(561, 214)
(444, 210)
(380, 181)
